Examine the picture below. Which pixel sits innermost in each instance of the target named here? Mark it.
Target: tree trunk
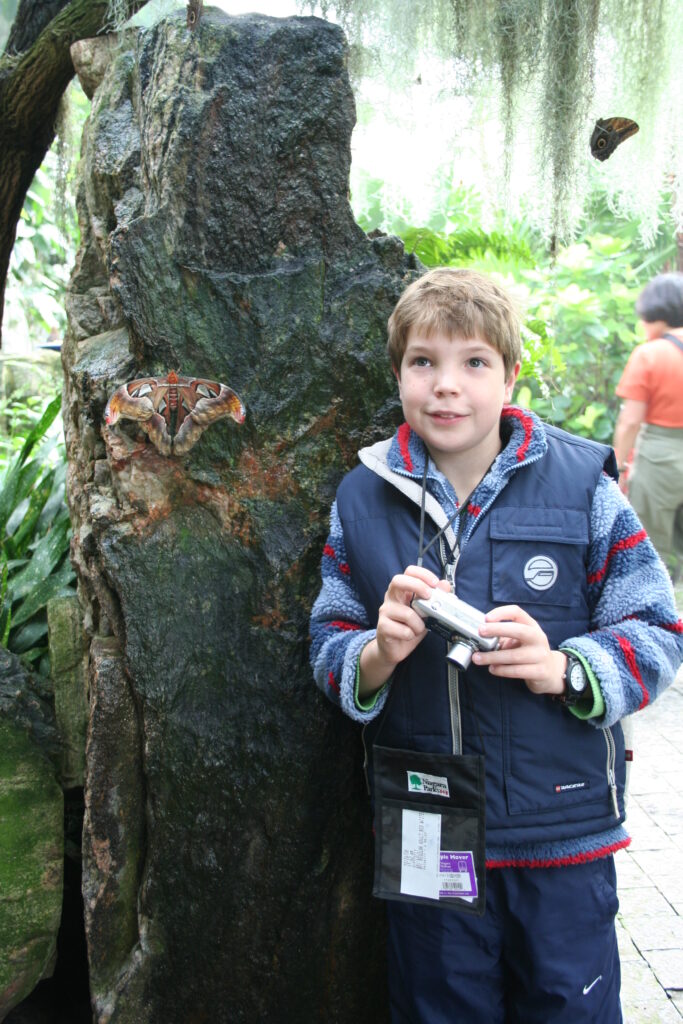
(227, 847)
(31, 87)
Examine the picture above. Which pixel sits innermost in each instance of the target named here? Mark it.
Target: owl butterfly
(194, 12)
(173, 411)
(609, 133)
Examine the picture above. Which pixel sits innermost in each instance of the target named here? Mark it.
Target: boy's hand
(524, 651)
(399, 628)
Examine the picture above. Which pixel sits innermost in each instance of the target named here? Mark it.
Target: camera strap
(460, 514)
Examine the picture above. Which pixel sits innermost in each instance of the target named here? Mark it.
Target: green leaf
(46, 555)
(26, 530)
(55, 585)
(29, 635)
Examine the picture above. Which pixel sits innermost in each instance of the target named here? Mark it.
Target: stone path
(650, 870)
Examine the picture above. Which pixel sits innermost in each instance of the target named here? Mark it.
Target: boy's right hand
(399, 628)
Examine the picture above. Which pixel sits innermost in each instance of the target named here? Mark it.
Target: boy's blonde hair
(459, 303)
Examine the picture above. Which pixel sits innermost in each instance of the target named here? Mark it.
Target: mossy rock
(31, 838)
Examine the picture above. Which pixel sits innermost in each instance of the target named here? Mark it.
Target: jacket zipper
(611, 762)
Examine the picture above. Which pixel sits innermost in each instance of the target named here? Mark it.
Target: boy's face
(452, 391)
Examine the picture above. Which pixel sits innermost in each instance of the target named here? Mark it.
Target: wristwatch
(576, 682)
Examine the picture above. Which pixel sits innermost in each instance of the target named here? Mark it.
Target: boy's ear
(511, 381)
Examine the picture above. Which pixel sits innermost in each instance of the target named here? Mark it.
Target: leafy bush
(580, 323)
(34, 538)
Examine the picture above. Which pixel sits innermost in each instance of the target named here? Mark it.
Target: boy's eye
(476, 361)
(421, 361)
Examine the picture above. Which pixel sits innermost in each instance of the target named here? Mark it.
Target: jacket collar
(401, 461)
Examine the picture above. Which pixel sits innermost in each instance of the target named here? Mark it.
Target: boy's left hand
(524, 651)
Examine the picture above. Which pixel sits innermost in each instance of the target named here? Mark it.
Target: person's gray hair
(662, 299)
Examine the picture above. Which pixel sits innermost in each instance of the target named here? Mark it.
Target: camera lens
(461, 653)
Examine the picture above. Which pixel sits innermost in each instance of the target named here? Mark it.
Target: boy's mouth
(445, 416)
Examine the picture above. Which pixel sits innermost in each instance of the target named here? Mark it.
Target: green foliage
(579, 319)
(34, 535)
(46, 240)
(39, 267)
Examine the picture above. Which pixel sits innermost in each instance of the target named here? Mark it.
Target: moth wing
(225, 403)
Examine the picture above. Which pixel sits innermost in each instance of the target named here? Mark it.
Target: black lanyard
(460, 514)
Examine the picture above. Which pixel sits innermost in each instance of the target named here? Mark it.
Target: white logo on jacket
(540, 572)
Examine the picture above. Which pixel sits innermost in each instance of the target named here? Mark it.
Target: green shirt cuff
(588, 708)
(369, 704)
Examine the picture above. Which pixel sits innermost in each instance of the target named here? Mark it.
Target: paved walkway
(650, 870)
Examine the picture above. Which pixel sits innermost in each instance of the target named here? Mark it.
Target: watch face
(577, 677)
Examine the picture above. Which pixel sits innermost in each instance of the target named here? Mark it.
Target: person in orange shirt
(651, 417)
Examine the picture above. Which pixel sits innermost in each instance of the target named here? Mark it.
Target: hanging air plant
(538, 75)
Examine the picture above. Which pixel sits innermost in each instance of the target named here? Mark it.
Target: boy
(546, 545)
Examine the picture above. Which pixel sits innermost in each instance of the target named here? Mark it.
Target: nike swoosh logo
(587, 988)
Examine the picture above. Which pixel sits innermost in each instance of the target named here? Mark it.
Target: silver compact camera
(458, 623)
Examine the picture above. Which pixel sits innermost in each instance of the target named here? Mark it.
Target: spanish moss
(537, 74)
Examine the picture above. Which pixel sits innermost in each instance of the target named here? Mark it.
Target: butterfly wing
(194, 12)
(609, 133)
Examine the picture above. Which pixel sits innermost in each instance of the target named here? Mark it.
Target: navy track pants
(545, 952)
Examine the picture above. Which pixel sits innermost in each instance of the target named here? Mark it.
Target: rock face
(31, 834)
(69, 672)
(227, 842)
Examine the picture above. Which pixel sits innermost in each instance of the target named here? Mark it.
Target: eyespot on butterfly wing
(609, 133)
(194, 12)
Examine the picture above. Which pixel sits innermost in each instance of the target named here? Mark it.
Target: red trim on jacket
(329, 552)
(629, 653)
(562, 862)
(622, 545)
(403, 437)
(528, 425)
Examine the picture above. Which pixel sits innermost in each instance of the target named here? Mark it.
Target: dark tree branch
(31, 86)
(30, 20)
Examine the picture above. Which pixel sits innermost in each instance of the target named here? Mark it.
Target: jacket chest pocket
(538, 556)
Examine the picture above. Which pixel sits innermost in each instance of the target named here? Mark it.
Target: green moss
(31, 859)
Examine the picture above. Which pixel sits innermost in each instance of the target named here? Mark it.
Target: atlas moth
(174, 411)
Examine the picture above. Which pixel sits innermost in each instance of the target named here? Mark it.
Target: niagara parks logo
(540, 572)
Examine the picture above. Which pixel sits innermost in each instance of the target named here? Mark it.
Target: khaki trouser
(655, 491)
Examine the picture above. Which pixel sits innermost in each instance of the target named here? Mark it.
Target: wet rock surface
(31, 833)
(227, 840)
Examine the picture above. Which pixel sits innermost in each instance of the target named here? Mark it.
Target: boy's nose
(447, 381)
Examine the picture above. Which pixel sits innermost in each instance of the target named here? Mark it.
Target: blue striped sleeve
(340, 629)
(635, 645)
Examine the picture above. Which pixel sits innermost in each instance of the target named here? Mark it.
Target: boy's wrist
(558, 669)
(373, 670)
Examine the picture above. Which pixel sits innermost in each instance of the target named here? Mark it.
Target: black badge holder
(430, 829)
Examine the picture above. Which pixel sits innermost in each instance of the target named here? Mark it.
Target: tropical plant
(579, 325)
(46, 241)
(34, 538)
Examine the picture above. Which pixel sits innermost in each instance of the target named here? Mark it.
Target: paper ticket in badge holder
(430, 829)
(458, 623)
